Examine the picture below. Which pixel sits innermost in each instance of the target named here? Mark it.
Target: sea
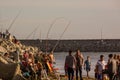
(94, 57)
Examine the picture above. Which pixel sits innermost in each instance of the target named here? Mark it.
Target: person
(0, 34)
(31, 59)
(45, 60)
(100, 66)
(25, 56)
(7, 58)
(3, 35)
(16, 55)
(52, 58)
(87, 65)
(39, 57)
(112, 67)
(118, 66)
(70, 65)
(38, 68)
(7, 34)
(79, 63)
(14, 40)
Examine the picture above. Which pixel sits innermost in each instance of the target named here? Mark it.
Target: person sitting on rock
(6, 57)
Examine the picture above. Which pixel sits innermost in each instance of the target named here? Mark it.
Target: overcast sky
(88, 18)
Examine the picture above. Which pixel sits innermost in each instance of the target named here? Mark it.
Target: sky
(89, 19)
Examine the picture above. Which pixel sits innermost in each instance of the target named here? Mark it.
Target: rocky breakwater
(88, 45)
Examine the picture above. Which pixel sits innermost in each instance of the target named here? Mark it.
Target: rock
(2, 49)
(2, 60)
(10, 72)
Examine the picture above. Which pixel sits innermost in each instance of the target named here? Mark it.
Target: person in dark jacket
(70, 65)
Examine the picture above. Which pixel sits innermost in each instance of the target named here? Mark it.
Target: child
(87, 65)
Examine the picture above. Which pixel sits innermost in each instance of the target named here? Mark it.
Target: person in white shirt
(100, 66)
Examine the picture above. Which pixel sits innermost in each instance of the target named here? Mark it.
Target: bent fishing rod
(50, 30)
(10, 26)
(32, 32)
(61, 37)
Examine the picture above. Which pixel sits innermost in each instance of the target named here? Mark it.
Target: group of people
(31, 65)
(109, 70)
(74, 63)
(31, 62)
(7, 35)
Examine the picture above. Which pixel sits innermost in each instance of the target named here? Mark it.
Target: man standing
(100, 66)
(70, 65)
(79, 64)
(112, 67)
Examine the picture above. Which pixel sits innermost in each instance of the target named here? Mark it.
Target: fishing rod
(1, 28)
(32, 32)
(101, 35)
(40, 40)
(52, 25)
(61, 37)
(50, 30)
(14, 21)
(40, 35)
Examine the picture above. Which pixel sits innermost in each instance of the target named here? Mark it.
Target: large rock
(10, 71)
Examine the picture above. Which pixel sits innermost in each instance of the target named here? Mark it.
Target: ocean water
(60, 60)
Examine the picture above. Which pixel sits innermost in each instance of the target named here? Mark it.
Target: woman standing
(79, 64)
